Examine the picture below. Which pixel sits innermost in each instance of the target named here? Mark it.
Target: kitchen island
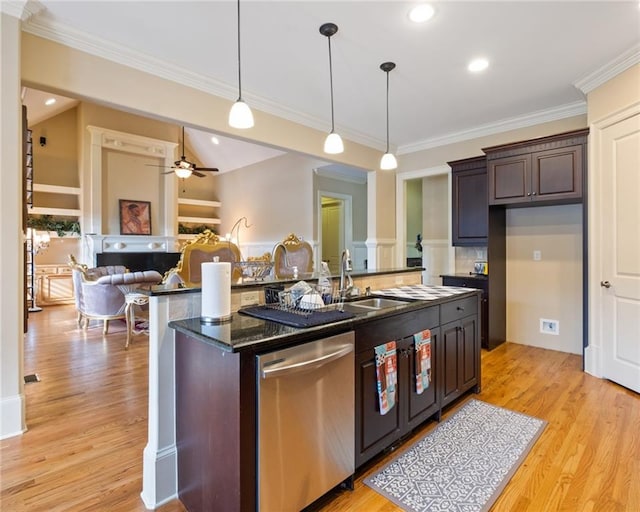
(167, 303)
(217, 381)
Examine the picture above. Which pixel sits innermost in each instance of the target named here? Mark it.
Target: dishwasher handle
(281, 368)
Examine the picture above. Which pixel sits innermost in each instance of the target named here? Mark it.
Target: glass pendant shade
(333, 144)
(240, 115)
(388, 162)
(182, 173)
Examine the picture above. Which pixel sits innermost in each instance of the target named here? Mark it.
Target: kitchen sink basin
(374, 303)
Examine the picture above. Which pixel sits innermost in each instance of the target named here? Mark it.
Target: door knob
(605, 284)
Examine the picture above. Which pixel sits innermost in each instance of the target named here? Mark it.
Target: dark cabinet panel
(419, 407)
(460, 364)
(549, 170)
(469, 202)
(509, 179)
(374, 431)
(557, 173)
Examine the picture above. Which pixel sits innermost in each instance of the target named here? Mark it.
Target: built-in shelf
(56, 189)
(201, 214)
(64, 212)
(198, 220)
(199, 202)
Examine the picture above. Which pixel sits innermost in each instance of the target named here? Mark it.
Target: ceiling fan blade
(198, 174)
(207, 169)
(157, 165)
(168, 172)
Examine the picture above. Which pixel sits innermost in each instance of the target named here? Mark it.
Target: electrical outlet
(549, 326)
(249, 298)
(537, 255)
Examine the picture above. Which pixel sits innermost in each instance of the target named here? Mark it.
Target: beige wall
(435, 207)
(51, 66)
(276, 196)
(56, 163)
(550, 288)
(614, 95)
(414, 216)
(435, 157)
(358, 193)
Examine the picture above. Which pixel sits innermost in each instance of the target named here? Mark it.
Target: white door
(620, 252)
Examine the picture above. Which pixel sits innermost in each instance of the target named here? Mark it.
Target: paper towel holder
(208, 320)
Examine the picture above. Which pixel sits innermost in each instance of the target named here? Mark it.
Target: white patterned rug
(463, 465)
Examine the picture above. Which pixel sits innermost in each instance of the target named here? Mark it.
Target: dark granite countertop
(246, 333)
(467, 275)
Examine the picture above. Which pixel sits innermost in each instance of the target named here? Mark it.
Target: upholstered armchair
(292, 252)
(203, 248)
(100, 292)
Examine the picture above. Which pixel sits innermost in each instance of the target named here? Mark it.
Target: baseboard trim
(12, 416)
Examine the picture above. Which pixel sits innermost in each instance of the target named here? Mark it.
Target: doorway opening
(334, 227)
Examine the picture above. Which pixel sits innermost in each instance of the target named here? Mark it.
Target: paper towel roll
(216, 291)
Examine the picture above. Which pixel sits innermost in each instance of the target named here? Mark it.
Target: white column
(12, 401)
(159, 460)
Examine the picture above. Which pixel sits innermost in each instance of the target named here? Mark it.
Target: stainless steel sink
(374, 303)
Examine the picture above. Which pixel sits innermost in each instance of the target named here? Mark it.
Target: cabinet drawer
(397, 327)
(457, 309)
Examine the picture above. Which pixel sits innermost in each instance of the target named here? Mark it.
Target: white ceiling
(537, 52)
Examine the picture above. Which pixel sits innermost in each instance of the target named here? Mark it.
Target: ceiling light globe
(240, 116)
(388, 162)
(421, 13)
(182, 173)
(477, 65)
(333, 144)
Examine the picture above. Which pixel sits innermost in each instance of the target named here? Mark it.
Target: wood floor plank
(87, 421)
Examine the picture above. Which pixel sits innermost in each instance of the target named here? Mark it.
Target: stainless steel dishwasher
(305, 422)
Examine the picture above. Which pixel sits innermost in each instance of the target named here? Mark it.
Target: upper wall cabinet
(469, 202)
(548, 170)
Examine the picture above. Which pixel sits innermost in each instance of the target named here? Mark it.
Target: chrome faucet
(345, 268)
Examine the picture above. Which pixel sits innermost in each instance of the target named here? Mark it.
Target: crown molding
(99, 47)
(605, 73)
(541, 116)
(21, 9)
(343, 175)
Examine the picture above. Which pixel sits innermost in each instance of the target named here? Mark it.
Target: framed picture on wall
(135, 217)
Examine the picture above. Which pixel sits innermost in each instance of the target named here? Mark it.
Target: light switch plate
(537, 255)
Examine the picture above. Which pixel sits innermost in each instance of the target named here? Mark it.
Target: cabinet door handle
(533, 193)
(605, 284)
(460, 308)
(529, 194)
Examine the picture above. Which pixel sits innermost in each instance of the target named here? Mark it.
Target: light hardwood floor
(87, 429)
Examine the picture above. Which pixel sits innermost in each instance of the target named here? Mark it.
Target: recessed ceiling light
(477, 65)
(421, 13)
(50, 102)
(215, 140)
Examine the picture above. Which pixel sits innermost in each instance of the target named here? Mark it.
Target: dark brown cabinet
(455, 369)
(548, 170)
(469, 202)
(459, 357)
(375, 431)
(458, 370)
(480, 283)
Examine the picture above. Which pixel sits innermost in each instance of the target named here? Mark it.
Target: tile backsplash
(467, 256)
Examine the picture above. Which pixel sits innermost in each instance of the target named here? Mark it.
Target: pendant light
(240, 115)
(333, 143)
(388, 161)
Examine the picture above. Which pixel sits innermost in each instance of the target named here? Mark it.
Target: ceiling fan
(183, 168)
